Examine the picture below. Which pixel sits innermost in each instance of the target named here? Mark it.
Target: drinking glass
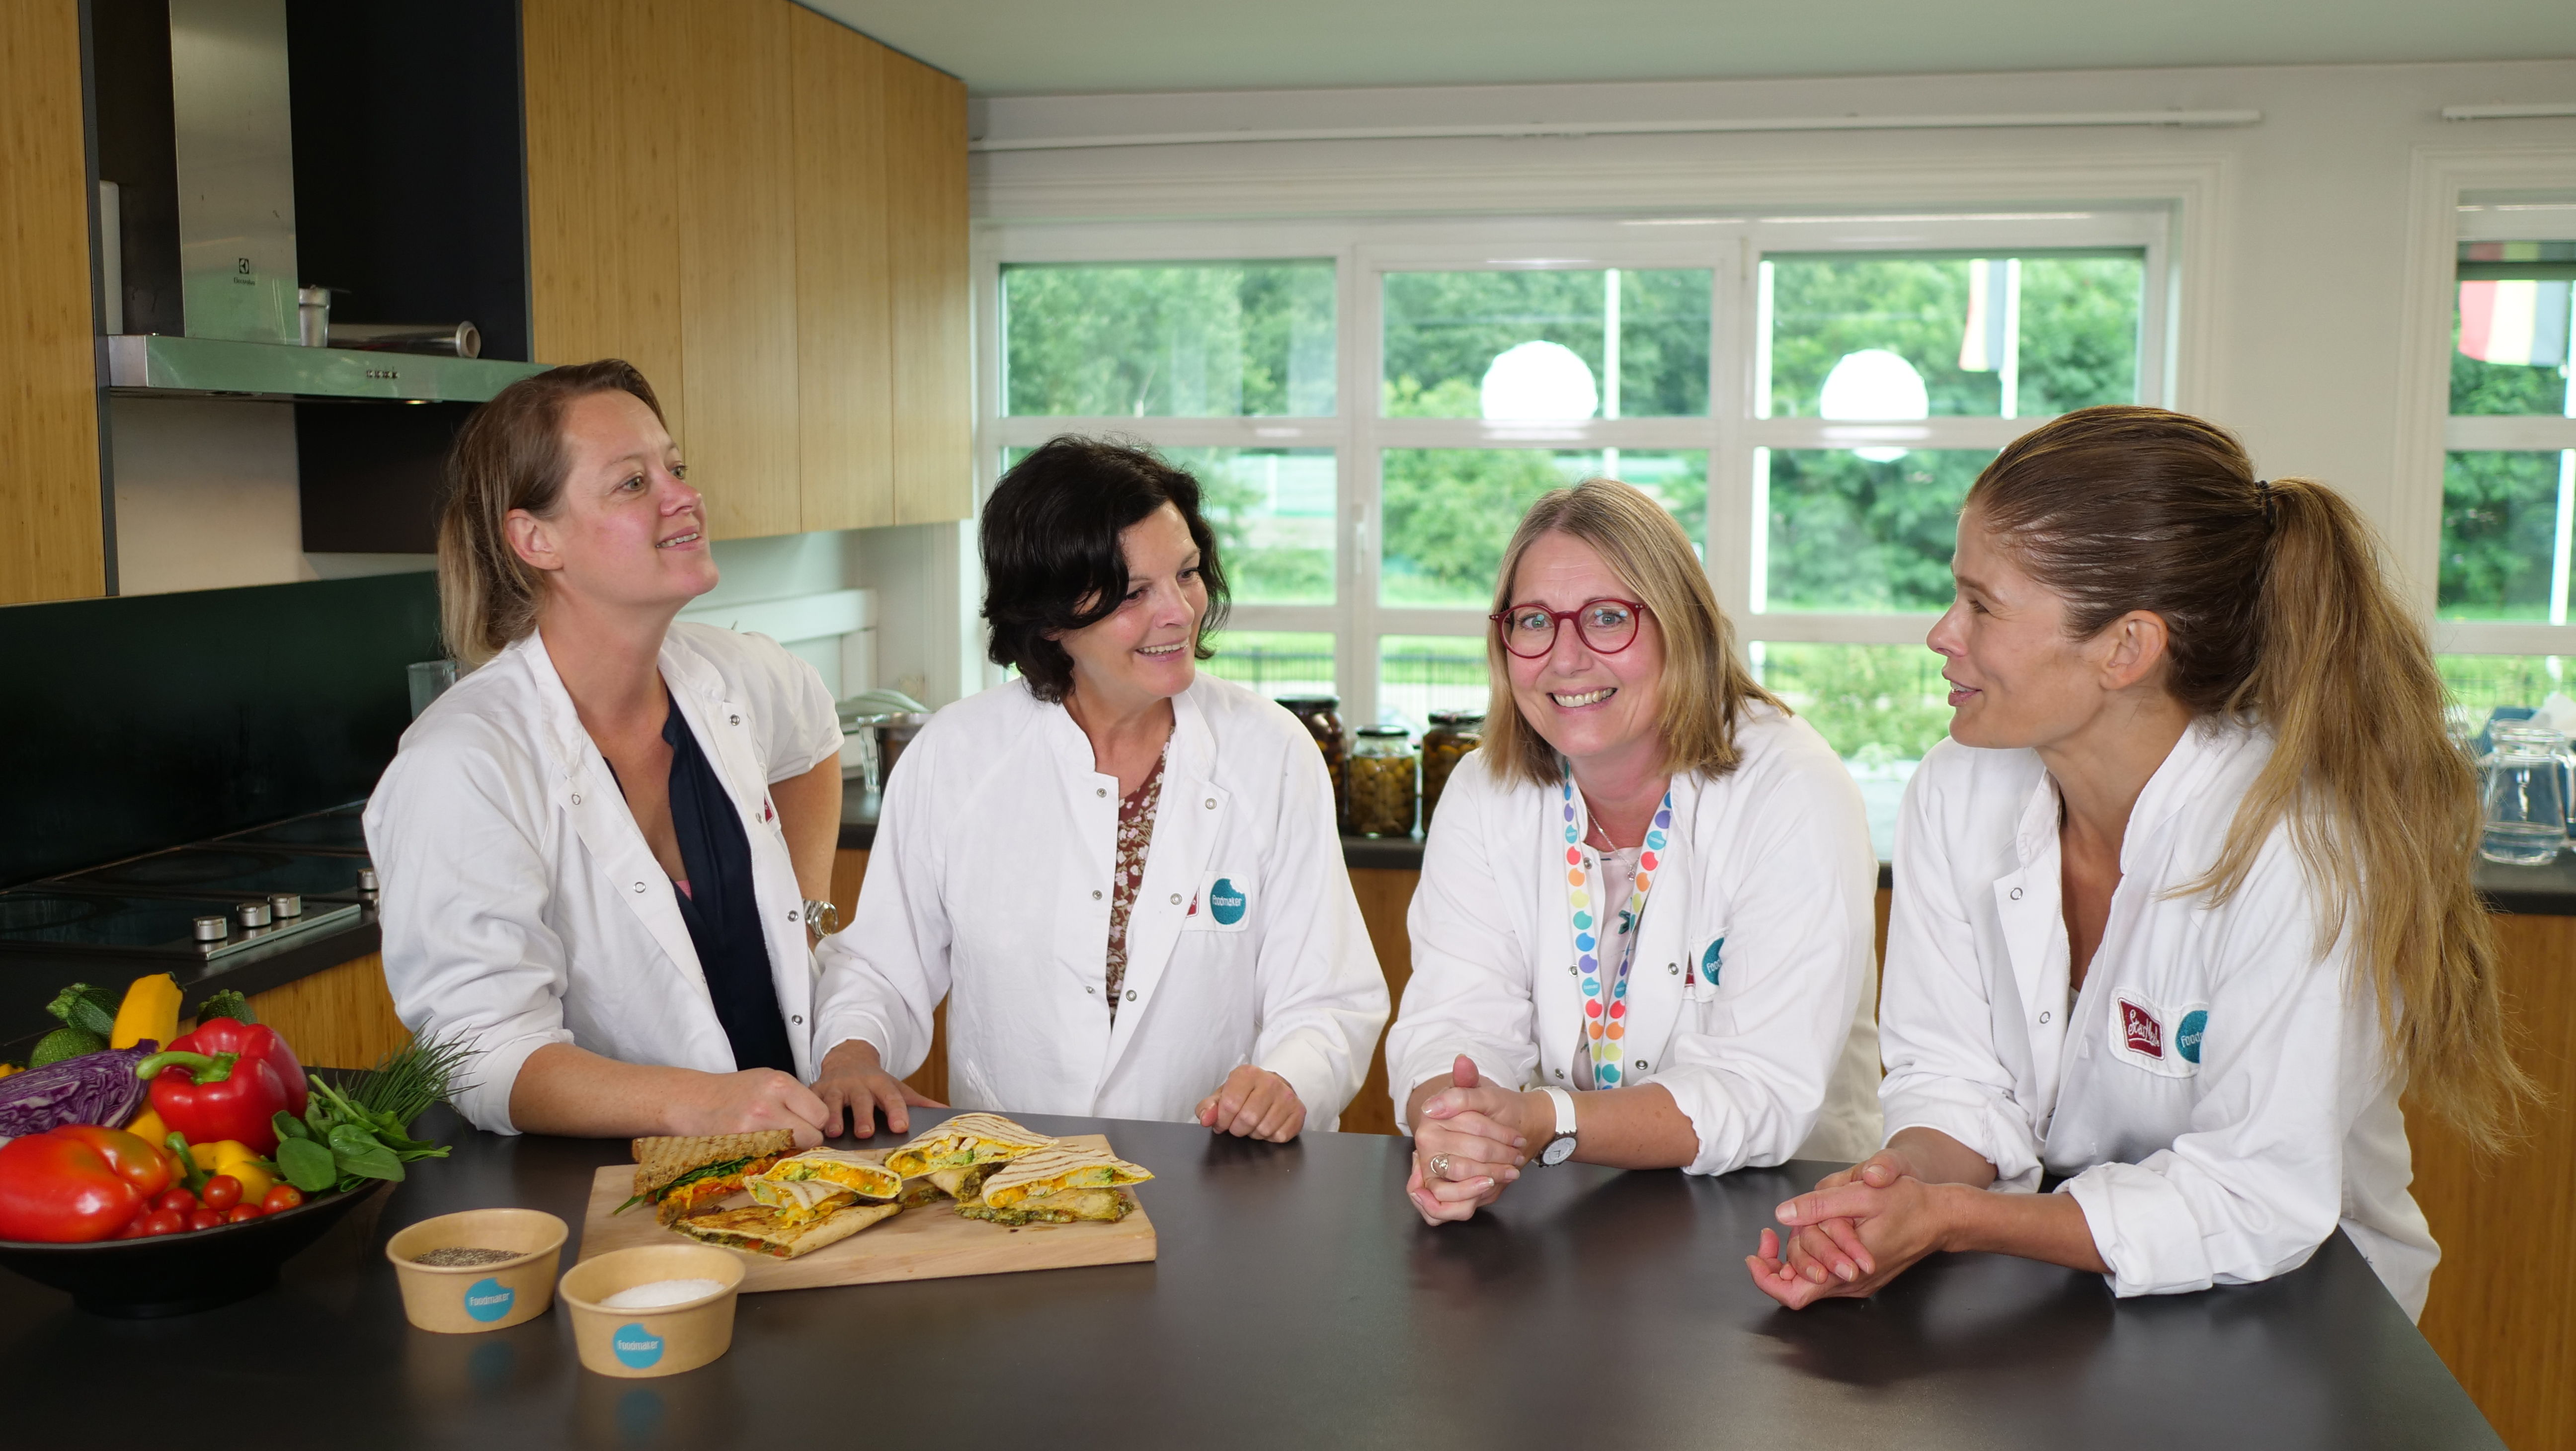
(2525, 797)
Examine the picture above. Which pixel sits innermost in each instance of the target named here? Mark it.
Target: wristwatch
(1560, 1146)
(822, 918)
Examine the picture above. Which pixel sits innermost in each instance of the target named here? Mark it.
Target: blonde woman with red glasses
(1642, 934)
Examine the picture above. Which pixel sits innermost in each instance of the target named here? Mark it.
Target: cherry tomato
(223, 1191)
(205, 1218)
(163, 1221)
(176, 1199)
(241, 1212)
(283, 1196)
(133, 1227)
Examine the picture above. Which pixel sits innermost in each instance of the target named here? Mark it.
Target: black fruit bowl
(180, 1274)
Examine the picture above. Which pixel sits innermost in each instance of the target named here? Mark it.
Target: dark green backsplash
(132, 724)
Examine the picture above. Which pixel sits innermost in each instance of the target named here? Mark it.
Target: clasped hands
(1858, 1229)
(1469, 1140)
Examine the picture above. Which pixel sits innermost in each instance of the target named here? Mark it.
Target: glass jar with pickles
(1382, 782)
(1321, 716)
(1452, 735)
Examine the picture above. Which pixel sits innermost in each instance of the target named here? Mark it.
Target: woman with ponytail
(2182, 906)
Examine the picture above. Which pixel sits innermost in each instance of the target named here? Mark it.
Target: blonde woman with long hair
(2182, 905)
(1642, 934)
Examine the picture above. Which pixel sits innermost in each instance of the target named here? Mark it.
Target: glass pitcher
(2525, 797)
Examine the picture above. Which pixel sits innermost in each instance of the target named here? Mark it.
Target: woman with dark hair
(1123, 875)
(2183, 903)
(600, 849)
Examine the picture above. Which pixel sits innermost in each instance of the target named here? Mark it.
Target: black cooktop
(35, 919)
(337, 830)
(228, 869)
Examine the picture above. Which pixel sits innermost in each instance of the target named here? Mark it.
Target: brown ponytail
(509, 455)
(2278, 613)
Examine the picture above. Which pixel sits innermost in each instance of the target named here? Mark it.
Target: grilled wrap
(863, 1177)
(969, 1138)
(1059, 1169)
(759, 1229)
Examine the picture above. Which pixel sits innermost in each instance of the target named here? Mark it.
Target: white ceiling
(1029, 47)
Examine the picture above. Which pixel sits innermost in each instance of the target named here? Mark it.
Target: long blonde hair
(1705, 685)
(2278, 613)
(509, 455)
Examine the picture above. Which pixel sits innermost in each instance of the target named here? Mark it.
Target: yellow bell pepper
(150, 1011)
(233, 1157)
(8, 1068)
(147, 1126)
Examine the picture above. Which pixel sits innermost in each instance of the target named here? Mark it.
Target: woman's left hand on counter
(1254, 1103)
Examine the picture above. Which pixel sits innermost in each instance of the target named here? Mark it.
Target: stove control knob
(284, 905)
(211, 929)
(251, 914)
(366, 879)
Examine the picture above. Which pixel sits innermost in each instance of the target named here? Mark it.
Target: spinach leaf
(357, 1152)
(306, 1165)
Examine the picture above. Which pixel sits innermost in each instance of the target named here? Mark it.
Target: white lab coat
(990, 885)
(520, 903)
(1752, 996)
(2223, 1101)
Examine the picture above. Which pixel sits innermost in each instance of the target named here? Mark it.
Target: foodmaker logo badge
(2144, 1033)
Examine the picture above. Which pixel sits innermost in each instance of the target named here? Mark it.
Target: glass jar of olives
(1452, 735)
(1321, 716)
(1382, 782)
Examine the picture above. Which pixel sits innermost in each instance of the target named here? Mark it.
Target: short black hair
(1052, 560)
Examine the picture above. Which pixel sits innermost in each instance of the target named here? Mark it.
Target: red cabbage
(95, 1088)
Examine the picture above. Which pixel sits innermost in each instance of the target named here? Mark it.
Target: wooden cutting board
(924, 1242)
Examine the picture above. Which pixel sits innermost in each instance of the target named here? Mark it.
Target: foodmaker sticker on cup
(489, 1299)
(636, 1346)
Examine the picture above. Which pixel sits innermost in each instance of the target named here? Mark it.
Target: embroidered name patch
(2141, 1031)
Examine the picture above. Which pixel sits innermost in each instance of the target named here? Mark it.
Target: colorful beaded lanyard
(1605, 999)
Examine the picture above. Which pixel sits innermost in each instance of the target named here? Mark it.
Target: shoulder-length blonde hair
(1706, 686)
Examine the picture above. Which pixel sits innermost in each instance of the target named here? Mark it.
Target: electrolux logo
(489, 1299)
(1225, 903)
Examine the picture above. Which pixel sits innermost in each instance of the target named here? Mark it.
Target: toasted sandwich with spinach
(680, 1175)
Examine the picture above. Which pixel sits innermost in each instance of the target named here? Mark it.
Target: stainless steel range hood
(238, 279)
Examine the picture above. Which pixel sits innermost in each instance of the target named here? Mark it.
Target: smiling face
(1589, 706)
(627, 531)
(1145, 650)
(2016, 677)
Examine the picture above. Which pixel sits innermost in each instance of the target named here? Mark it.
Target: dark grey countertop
(1297, 1302)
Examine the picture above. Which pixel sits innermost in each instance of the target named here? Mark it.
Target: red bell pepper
(59, 1190)
(250, 1040)
(208, 1098)
(138, 1161)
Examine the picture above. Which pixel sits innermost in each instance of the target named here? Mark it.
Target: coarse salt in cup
(664, 1340)
(464, 1299)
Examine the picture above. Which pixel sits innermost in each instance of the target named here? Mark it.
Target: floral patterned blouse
(1135, 834)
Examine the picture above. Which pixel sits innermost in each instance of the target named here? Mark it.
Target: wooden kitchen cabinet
(766, 211)
(52, 530)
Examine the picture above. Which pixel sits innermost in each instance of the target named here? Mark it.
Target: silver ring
(1439, 1166)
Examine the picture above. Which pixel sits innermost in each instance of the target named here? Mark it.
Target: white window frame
(1729, 246)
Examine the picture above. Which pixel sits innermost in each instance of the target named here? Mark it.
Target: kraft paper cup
(468, 1299)
(639, 1343)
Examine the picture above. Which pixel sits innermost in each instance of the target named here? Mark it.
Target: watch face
(1558, 1150)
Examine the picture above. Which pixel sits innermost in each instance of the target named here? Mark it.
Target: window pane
(1448, 334)
(1272, 510)
(1181, 340)
(1418, 674)
(2478, 684)
(1450, 512)
(1848, 533)
(2509, 329)
(1879, 706)
(2500, 549)
(1274, 663)
(1949, 336)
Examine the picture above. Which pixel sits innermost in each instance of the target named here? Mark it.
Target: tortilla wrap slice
(865, 1178)
(1056, 1169)
(798, 1200)
(759, 1229)
(965, 1185)
(1068, 1206)
(969, 1138)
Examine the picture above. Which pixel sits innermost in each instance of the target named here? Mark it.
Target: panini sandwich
(677, 1175)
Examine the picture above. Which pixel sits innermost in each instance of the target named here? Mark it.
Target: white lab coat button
(1086, 987)
(639, 887)
(576, 798)
(1131, 995)
(1100, 791)
(1176, 899)
(1641, 1063)
(737, 720)
(795, 916)
(1095, 895)
(2016, 894)
(2043, 1017)
(1211, 803)
(796, 1018)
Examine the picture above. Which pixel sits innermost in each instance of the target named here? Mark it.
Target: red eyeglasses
(1605, 626)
